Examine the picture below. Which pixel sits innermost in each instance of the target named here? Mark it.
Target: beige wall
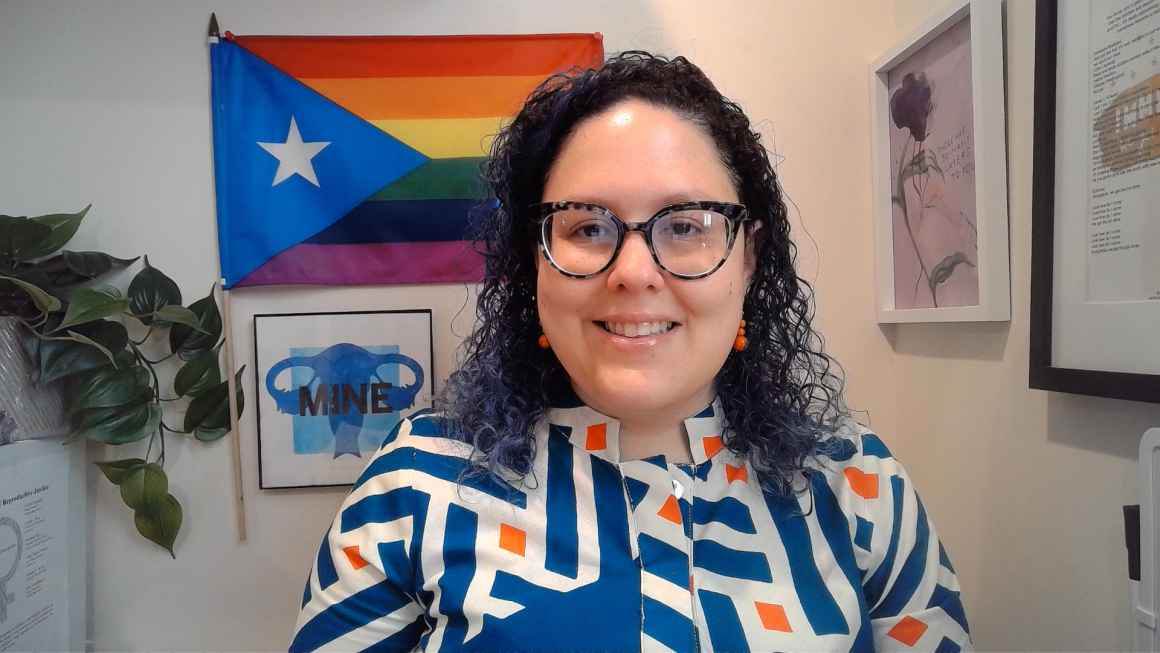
(109, 104)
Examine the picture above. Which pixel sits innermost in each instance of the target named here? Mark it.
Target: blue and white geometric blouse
(595, 553)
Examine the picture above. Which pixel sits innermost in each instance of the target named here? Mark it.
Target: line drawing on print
(14, 548)
(345, 384)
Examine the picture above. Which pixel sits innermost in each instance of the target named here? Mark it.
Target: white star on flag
(294, 156)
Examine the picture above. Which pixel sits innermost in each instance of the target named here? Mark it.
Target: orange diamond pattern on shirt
(773, 616)
(597, 437)
(712, 444)
(908, 630)
(863, 484)
(353, 556)
(733, 473)
(512, 538)
(670, 510)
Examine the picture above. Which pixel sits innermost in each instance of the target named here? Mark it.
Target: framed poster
(940, 171)
(44, 546)
(1095, 259)
(331, 386)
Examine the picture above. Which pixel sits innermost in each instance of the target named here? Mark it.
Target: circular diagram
(10, 546)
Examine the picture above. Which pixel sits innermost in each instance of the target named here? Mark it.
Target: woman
(645, 448)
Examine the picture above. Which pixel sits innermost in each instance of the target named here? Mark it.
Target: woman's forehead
(638, 151)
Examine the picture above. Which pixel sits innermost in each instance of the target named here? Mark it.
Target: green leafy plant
(104, 347)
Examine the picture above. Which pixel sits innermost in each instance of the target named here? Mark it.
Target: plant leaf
(150, 291)
(922, 162)
(160, 522)
(60, 359)
(178, 314)
(145, 490)
(88, 304)
(85, 340)
(62, 227)
(143, 485)
(209, 412)
(70, 268)
(946, 267)
(210, 435)
(43, 301)
(932, 163)
(110, 334)
(107, 387)
(120, 424)
(118, 470)
(30, 342)
(19, 235)
(916, 166)
(185, 341)
(85, 418)
(210, 432)
(198, 375)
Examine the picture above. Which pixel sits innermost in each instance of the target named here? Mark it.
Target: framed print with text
(940, 171)
(1095, 261)
(332, 386)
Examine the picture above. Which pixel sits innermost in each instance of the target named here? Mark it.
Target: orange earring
(740, 342)
(543, 342)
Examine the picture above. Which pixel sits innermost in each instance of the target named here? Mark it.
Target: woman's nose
(634, 267)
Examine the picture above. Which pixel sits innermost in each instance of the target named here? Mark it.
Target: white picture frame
(987, 145)
(331, 386)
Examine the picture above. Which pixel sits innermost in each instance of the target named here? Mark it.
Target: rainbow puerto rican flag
(355, 159)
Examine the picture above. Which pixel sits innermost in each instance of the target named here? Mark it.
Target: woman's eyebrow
(681, 197)
(674, 197)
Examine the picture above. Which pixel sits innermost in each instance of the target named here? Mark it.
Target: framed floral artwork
(940, 171)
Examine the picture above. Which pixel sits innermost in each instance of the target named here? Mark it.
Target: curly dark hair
(782, 395)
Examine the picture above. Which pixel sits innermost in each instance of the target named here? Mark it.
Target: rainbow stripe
(444, 96)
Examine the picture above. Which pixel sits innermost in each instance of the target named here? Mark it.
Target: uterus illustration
(345, 383)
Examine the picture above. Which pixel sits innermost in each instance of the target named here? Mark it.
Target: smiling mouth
(637, 329)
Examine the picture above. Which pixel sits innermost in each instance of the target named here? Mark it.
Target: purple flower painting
(933, 175)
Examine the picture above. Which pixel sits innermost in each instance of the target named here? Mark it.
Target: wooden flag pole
(239, 490)
(213, 36)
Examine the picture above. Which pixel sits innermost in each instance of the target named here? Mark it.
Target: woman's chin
(624, 393)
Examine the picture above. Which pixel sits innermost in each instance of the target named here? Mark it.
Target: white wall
(108, 103)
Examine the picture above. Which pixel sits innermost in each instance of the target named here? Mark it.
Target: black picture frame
(1043, 374)
(258, 381)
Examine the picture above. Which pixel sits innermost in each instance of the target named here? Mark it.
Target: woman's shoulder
(423, 452)
(855, 459)
(427, 430)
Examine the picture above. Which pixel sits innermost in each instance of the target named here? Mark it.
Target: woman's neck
(641, 440)
(662, 431)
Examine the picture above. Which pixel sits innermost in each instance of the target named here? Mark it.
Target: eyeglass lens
(686, 242)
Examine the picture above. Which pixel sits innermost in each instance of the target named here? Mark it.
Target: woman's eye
(684, 229)
(591, 231)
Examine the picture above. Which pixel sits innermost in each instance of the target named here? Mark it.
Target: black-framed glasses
(689, 240)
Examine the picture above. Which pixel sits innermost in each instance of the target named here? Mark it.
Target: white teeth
(638, 329)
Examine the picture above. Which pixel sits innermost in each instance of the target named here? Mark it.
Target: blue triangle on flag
(266, 199)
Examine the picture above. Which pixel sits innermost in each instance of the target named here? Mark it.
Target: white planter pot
(27, 410)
